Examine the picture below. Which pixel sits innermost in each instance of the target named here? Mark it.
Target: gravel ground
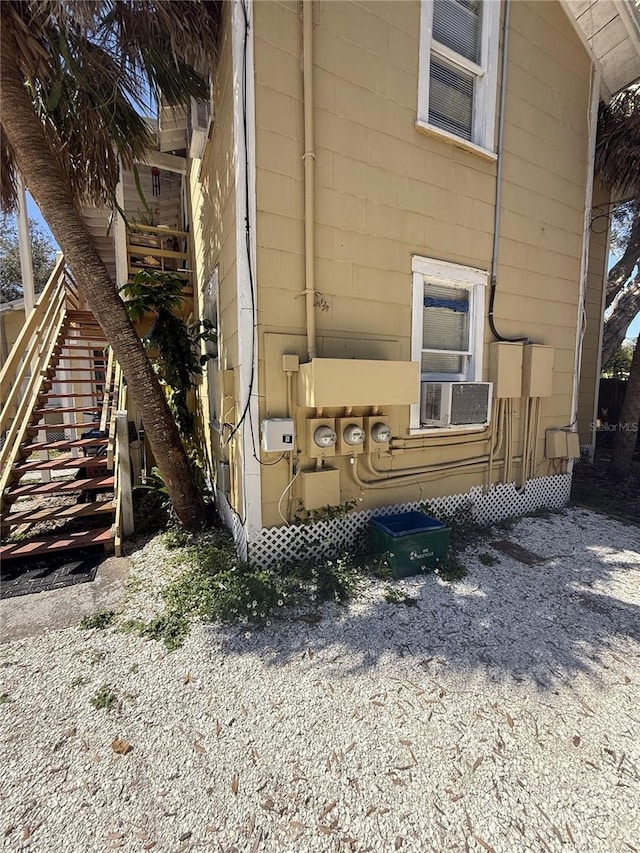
(501, 713)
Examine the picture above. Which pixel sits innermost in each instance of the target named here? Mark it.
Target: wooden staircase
(62, 388)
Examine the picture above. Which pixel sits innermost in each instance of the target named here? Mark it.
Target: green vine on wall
(173, 345)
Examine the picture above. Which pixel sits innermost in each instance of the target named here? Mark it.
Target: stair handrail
(158, 252)
(116, 393)
(41, 349)
(37, 318)
(108, 391)
(123, 494)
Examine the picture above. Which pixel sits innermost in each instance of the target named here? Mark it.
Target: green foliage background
(43, 255)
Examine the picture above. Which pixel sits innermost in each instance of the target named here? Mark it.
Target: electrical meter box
(277, 435)
(537, 371)
(562, 444)
(505, 369)
(573, 445)
(556, 444)
(320, 488)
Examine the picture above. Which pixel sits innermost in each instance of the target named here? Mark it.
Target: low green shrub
(99, 621)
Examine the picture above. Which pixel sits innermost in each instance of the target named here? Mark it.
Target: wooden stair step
(80, 347)
(60, 463)
(56, 395)
(85, 358)
(76, 380)
(89, 336)
(88, 369)
(60, 410)
(61, 426)
(56, 544)
(35, 516)
(77, 314)
(64, 444)
(62, 487)
(82, 339)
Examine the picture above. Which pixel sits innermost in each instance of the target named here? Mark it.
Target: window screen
(446, 318)
(451, 99)
(445, 327)
(456, 24)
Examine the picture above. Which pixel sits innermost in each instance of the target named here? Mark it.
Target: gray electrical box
(277, 434)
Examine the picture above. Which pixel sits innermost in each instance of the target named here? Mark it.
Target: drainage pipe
(525, 444)
(498, 197)
(496, 446)
(434, 468)
(411, 479)
(309, 176)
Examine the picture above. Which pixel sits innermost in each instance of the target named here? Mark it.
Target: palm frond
(617, 158)
(89, 66)
(8, 183)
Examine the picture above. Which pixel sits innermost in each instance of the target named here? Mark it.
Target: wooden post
(124, 473)
(120, 237)
(24, 245)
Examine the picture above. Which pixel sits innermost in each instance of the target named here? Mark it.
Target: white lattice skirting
(503, 501)
(234, 523)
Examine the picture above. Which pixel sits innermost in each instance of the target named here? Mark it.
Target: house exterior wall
(592, 341)
(212, 196)
(12, 322)
(386, 192)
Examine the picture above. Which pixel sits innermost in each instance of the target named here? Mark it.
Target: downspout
(309, 169)
(497, 212)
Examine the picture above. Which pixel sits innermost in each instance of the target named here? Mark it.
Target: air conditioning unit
(198, 120)
(445, 404)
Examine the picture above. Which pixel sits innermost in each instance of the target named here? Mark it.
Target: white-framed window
(447, 323)
(457, 84)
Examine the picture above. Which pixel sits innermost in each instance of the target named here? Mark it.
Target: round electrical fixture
(353, 435)
(324, 436)
(380, 433)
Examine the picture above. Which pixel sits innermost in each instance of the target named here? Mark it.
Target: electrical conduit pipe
(309, 176)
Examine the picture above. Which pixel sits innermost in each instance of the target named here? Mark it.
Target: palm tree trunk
(623, 311)
(624, 442)
(49, 187)
(620, 272)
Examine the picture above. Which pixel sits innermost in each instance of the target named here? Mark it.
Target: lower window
(448, 324)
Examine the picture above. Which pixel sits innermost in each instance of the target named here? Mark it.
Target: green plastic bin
(414, 542)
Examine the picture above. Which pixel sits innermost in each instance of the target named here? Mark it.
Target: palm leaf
(617, 159)
(89, 66)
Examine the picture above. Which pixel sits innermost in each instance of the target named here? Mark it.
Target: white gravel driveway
(499, 714)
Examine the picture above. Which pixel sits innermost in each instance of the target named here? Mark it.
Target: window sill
(471, 147)
(440, 431)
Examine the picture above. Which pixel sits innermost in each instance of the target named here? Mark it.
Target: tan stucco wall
(386, 192)
(596, 277)
(213, 217)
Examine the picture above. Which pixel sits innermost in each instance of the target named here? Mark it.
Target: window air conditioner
(198, 127)
(445, 404)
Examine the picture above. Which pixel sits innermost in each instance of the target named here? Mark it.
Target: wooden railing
(24, 370)
(119, 439)
(154, 247)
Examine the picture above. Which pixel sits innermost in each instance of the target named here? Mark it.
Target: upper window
(448, 322)
(458, 68)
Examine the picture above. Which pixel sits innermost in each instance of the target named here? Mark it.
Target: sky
(34, 213)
